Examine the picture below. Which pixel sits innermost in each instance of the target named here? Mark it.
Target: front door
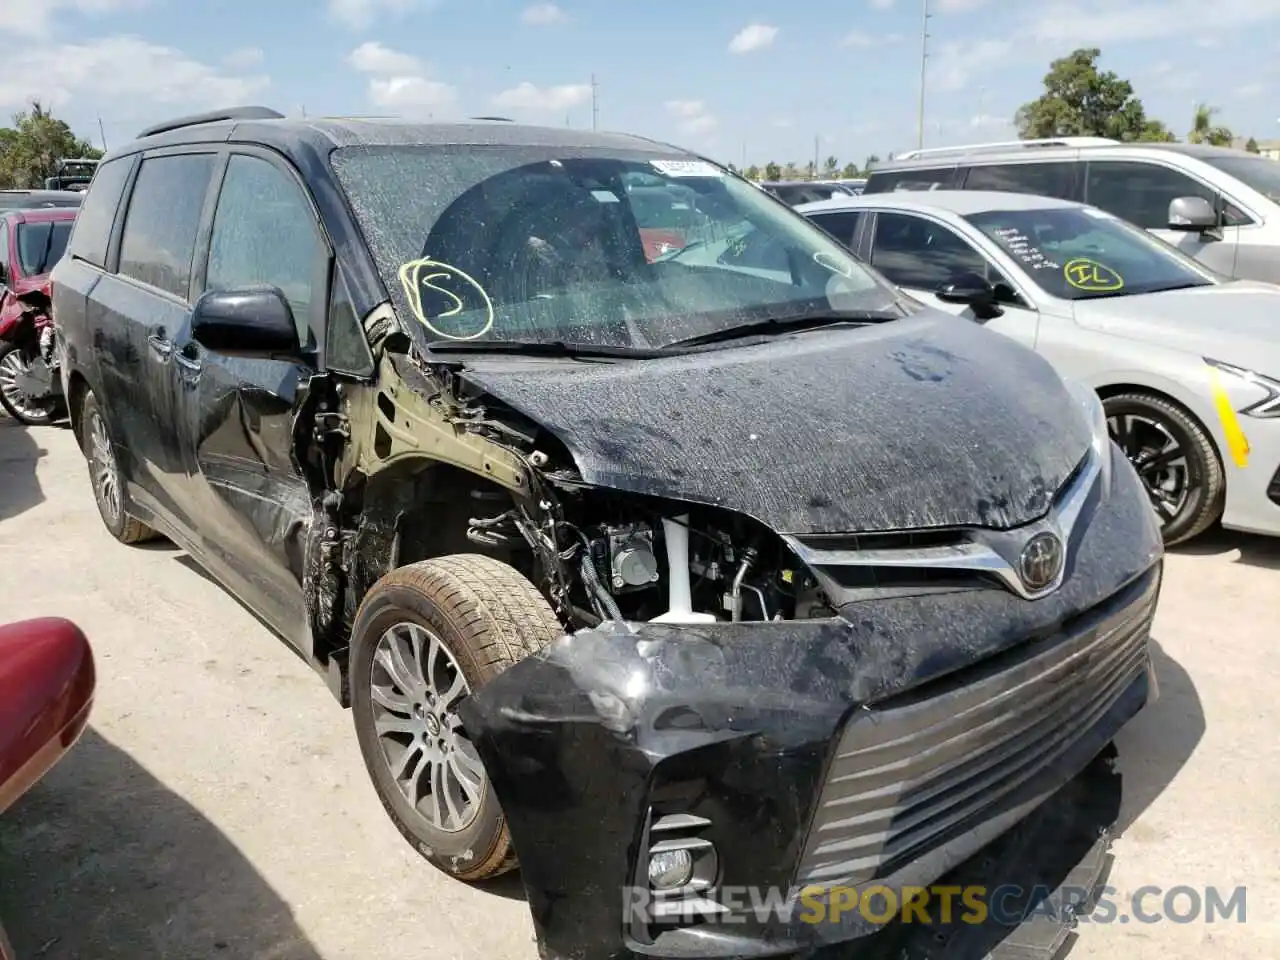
(238, 413)
(921, 255)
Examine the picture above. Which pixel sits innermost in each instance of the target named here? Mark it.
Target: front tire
(105, 478)
(425, 636)
(1176, 461)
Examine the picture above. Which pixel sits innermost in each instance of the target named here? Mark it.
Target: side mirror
(971, 290)
(248, 320)
(1192, 215)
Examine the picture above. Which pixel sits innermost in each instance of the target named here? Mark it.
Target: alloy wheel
(12, 368)
(1159, 458)
(415, 686)
(102, 468)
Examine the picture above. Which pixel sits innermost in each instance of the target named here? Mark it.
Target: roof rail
(213, 116)
(1000, 145)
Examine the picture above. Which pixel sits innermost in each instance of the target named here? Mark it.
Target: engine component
(631, 558)
(680, 602)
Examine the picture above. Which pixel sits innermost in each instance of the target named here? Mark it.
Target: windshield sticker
(1091, 276)
(438, 291)
(686, 168)
(1017, 243)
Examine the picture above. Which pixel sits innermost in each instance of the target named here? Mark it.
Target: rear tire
(1188, 493)
(104, 476)
(480, 616)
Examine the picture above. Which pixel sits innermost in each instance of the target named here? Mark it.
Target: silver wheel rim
(415, 687)
(1161, 462)
(12, 367)
(102, 468)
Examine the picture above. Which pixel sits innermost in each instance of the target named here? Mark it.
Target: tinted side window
(92, 232)
(1043, 179)
(159, 237)
(1140, 192)
(842, 225)
(41, 245)
(938, 178)
(915, 252)
(264, 232)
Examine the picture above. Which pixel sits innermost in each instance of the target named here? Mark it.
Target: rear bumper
(879, 748)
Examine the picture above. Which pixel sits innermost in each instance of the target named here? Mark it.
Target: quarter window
(91, 234)
(843, 225)
(1141, 192)
(924, 255)
(1043, 179)
(159, 239)
(265, 233)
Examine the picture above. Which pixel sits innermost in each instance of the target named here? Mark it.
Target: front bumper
(881, 747)
(1253, 492)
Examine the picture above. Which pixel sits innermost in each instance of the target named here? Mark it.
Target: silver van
(1220, 206)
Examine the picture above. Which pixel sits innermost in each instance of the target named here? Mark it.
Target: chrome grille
(908, 772)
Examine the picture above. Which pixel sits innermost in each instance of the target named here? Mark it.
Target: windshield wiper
(546, 348)
(776, 325)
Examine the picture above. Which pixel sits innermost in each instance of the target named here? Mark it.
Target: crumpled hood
(1237, 321)
(926, 422)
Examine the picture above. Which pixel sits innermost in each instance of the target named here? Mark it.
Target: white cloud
(244, 58)
(960, 6)
(881, 4)
(543, 14)
(526, 96)
(868, 41)
(114, 70)
(692, 114)
(782, 123)
(1101, 22)
(373, 57)
(1250, 90)
(411, 94)
(28, 19)
(754, 36)
(362, 13)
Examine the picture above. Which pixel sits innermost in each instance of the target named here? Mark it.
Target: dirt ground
(218, 807)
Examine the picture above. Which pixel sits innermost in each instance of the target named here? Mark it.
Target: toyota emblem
(1041, 561)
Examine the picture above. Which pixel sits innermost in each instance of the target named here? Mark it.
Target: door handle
(188, 361)
(160, 344)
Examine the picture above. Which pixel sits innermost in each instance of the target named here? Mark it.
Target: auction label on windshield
(686, 168)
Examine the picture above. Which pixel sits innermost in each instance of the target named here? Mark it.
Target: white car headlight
(1094, 415)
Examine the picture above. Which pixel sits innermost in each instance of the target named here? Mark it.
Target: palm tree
(1203, 129)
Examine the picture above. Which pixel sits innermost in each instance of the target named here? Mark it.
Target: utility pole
(924, 57)
(103, 134)
(815, 157)
(595, 103)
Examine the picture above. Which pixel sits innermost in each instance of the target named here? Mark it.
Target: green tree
(850, 171)
(772, 171)
(871, 161)
(731, 168)
(1204, 130)
(1079, 100)
(831, 167)
(752, 172)
(31, 148)
(1252, 146)
(791, 171)
(1154, 131)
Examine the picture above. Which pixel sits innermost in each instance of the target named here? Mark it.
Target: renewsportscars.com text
(1005, 905)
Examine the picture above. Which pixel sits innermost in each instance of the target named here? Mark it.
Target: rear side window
(159, 238)
(842, 225)
(938, 178)
(41, 245)
(92, 232)
(915, 252)
(1043, 179)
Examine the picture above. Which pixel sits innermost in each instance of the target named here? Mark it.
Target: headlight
(1091, 407)
(1268, 408)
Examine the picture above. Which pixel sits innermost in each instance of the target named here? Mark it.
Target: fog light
(670, 869)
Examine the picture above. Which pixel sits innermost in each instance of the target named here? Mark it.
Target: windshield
(41, 245)
(589, 246)
(1079, 253)
(1259, 173)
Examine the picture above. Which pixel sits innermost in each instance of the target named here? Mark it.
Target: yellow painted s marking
(1237, 442)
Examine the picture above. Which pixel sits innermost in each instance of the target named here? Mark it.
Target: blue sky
(731, 79)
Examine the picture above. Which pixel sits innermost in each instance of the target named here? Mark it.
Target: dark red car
(31, 242)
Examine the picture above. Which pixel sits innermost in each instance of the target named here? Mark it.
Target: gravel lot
(218, 806)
